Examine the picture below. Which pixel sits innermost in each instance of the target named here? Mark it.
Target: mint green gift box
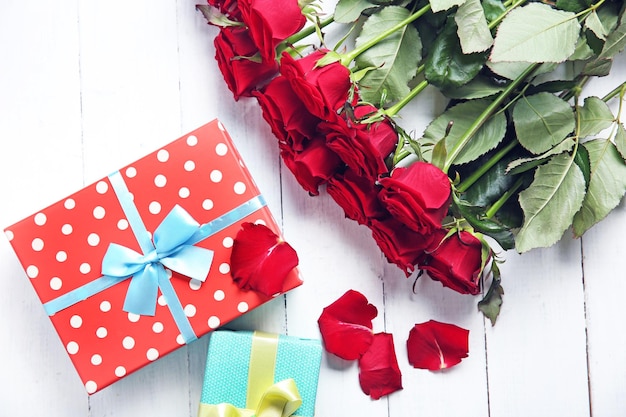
(260, 374)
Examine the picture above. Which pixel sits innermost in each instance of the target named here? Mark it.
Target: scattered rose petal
(433, 345)
(379, 373)
(261, 260)
(346, 325)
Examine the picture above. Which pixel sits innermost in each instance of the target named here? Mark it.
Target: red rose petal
(379, 373)
(435, 346)
(260, 259)
(346, 325)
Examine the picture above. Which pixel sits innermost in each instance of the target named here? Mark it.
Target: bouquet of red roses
(516, 159)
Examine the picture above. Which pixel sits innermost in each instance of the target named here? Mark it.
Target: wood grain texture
(86, 87)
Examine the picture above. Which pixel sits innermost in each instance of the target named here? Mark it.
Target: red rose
(456, 262)
(400, 245)
(363, 147)
(418, 196)
(289, 120)
(357, 196)
(242, 75)
(271, 22)
(323, 90)
(312, 166)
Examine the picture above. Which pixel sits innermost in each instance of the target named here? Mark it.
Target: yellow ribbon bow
(280, 400)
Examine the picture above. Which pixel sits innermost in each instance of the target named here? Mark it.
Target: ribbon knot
(172, 248)
(279, 400)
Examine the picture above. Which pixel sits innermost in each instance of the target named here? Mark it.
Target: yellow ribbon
(280, 400)
(264, 398)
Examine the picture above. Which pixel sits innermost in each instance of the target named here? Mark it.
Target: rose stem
(475, 176)
(484, 116)
(619, 90)
(500, 202)
(393, 110)
(349, 57)
(308, 31)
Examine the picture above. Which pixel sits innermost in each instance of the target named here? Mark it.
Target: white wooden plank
(40, 162)
(536, 353)
(605, 288)
(424, 391)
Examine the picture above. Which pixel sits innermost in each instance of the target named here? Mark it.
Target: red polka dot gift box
(91, 256)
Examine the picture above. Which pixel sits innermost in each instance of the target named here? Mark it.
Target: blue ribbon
(172, 247)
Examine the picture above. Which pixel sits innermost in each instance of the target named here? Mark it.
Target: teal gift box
(260, 374)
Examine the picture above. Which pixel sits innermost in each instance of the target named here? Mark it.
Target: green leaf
(554, 86)
(493, 183)
(473, 30)
(215, 17)
(583, 51)
(550, 203)
(524, 164)
(492, 301)
(536, 33)
(479, 87)
(606, 187)
(493, 9)
(595, 116)
(439, 5)
(512, 70)
(593, 23)
(620, 140)
(439, 154)
(446, 65)
(581, 158)
(542, 121)
(615, 42)
(475, 217)
(462, 116)
(348, 11)
(395, 58)
(571, 5)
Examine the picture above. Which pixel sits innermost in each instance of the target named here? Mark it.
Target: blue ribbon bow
(172, 248)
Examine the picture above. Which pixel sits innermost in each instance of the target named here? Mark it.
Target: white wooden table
(86, 87)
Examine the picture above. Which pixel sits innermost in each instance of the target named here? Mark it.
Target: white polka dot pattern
(62, 248)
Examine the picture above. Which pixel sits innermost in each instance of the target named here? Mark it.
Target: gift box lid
(231, 356)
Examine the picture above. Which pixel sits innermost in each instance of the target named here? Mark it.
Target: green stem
(512, 4)
(309, 30)
(393, 110)
(349, 57)
(477, 124)
(615, 92)
(500, 202)
(575, 90)
(475, 176)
